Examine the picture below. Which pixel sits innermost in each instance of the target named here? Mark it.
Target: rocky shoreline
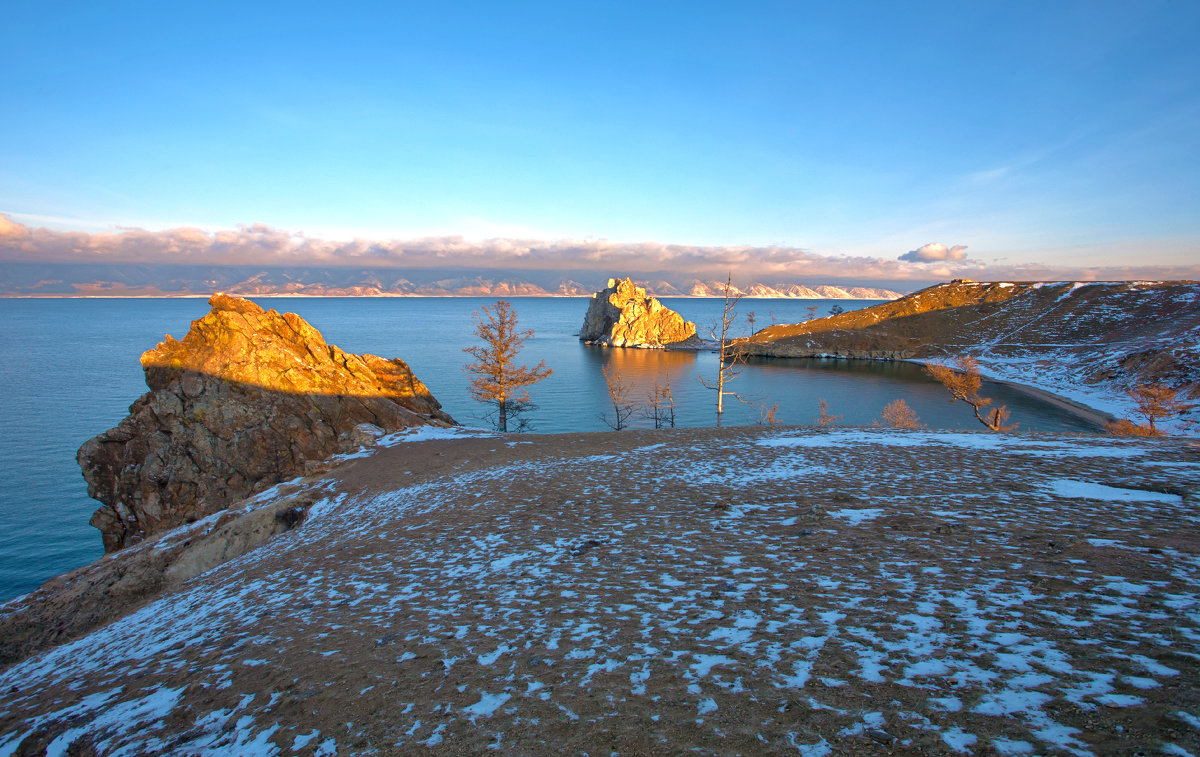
(1100, 418)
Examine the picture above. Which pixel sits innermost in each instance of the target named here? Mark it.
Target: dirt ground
(702, 591)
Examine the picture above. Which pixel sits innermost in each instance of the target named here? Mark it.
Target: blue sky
(1060, 134)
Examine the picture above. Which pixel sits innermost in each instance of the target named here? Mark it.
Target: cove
(70, 371)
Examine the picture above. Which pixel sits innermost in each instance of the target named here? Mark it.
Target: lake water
(69, 370)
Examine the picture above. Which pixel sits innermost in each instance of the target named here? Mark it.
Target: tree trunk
(721, 383)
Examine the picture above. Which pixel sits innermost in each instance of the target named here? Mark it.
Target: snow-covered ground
(795, 591)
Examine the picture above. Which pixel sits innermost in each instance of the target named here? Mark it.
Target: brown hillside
(1105, 332)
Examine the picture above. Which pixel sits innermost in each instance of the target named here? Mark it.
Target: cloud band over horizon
(262, 245)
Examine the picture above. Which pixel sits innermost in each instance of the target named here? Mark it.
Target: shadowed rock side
(1101, 333)
(621, 315)
(247, 399)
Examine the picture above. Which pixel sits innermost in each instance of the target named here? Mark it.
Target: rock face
(249, 398)
(621, 315)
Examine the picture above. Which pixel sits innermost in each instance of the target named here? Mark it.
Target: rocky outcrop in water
(621, 315)
(247, 399)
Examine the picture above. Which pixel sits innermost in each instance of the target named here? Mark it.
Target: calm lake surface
(70, 370)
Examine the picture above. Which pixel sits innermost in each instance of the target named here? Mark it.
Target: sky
(883, 141)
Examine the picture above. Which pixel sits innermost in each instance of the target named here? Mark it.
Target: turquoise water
(69, 370)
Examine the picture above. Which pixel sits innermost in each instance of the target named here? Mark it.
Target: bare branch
(727, 360)
(963, 382)
(618, 396)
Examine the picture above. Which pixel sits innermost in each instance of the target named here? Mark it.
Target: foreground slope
(723, 591)
(1085, 341)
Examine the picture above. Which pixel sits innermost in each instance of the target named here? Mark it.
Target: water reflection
(857, 390)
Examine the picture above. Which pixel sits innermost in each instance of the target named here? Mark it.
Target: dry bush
(660, 405)
(767, 415)
(825, 418)
(1155, 403)
(1126, 427)
(898, 414)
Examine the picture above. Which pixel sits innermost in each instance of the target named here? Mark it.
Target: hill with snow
(1085, 341)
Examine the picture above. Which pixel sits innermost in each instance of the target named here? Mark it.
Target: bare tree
(750, 318)
(660, 404)
(496, 378)
(728, 360)
(898, 414)
(767, 415)
(618, 395)
(963, 381)
(1155, 403)
(825, 418)
(812, 312)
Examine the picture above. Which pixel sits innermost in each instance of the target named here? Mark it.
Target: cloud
(10, 229)
(266, 246)
(935, 251)
(262, 245)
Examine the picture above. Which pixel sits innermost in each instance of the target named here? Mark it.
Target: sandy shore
(1078, 409)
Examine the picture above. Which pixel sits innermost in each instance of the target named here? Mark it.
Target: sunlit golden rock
(248, 398)
(621, 315)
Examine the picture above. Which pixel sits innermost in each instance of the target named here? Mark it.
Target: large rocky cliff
(247, 399)
(1088, 339)
(622, 315)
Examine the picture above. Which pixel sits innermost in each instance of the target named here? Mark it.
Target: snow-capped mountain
(75, 280)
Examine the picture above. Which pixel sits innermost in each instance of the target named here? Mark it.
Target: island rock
(621, 315)
(247, 399)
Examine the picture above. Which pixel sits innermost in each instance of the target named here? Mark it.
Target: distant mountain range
(699, 288)
(82, 280)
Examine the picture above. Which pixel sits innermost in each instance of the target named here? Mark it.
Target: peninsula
(1087, 342)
